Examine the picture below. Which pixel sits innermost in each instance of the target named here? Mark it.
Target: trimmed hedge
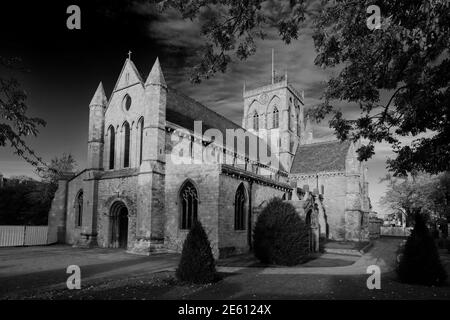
(280, 235)
(420, 262)
(197, 263)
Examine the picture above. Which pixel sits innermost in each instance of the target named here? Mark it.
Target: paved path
(382, 254)
(34, 268)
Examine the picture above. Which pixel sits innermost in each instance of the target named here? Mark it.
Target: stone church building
(136, 195)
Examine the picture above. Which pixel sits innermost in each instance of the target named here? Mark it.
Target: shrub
(280, 235)
(197, 263)
(420, 262)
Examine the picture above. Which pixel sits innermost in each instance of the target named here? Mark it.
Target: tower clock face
(264, 98)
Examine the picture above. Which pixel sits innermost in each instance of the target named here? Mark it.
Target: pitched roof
(320, 157)
(133, 68)
(183, 111)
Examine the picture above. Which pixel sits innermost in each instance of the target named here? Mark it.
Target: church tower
(275, 113)
(94, 167)
(151, 177)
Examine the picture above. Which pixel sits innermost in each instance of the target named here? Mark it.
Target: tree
(419, 193)
(280, 235)
(58, 166)
(407, 58)
(405, 195)
(15, 125)
(420, 262)
(197, 263)
(440, 196)
(24, 201)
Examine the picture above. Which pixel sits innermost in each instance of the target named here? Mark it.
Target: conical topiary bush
(197, 263)
(420, 263)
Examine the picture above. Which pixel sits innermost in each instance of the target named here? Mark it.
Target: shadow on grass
(34, 280)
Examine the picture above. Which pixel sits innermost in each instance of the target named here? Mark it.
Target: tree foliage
(15, 125)
(280, 235)
(24, 201)
(57, 167)
(407, 59)
(420, 262)
(418, 194)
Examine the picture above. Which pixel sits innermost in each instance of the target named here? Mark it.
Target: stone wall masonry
(334, 197)
(57, 214)
(111, 190)
(73, 233)
(206, 180)
(231, 241)
(356, 225)
(116, 115)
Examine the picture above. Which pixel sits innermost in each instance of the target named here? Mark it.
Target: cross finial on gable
(129, 54)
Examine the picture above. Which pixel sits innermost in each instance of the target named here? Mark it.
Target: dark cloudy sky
(66, 66)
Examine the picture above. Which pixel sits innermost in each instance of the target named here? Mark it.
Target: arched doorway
(119, 225)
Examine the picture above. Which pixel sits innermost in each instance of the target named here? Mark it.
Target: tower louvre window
(276, 118)
(256, 121)
(289, 117)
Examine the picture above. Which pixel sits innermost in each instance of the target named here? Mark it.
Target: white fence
(12, 236)
(395, 231)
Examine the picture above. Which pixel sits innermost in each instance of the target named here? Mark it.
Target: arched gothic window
(141, 137)
(189, 205)
(289, 117)
(126, 145)
(239, 208)
(112, 146)
(79, 209)
(275, 119)
(255, 121)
